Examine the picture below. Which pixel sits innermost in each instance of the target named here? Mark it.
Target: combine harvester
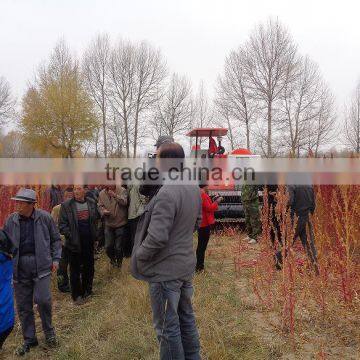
(231, 208)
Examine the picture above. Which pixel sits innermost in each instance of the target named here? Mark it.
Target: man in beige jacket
(112, 205)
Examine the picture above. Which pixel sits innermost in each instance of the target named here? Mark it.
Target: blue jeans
(174, 320)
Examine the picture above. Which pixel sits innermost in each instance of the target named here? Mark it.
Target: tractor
(231, 208)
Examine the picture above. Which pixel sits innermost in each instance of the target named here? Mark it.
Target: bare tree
(7, 103)
(270, 56)
(233, 92)
(121, 79)
(150, 73)
(321, 127)
(136, 74)
(222, 116)
(13, 145)
(174, 111)
(352, 121)
(117, 135)
(303, 101)
(202, 111)
(95, 67)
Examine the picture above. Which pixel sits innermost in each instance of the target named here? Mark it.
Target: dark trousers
(82, 270)
(100, 236)
(132, 226)
(115, 239)
(303, 224)
(30, 289)
(4, 335)
(62, 273)
(275, 232)
(203, 239)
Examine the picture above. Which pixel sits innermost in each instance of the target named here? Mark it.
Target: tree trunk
(136, 130)
(269, 120)
(247, 135)
(127, 144)
(358, 130)
(104, 130)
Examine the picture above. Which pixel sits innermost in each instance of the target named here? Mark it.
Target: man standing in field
(112, 205)
(163, 256)
(135, 210)
(55, 196)
(62, 273)
(34, 233)
(78, 223)
(250, 200)
(302, 204)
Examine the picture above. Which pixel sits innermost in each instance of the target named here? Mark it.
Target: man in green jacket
(136, 208)
(250, 200)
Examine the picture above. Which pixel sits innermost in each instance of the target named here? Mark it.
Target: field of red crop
(7, 205)
(327, 303)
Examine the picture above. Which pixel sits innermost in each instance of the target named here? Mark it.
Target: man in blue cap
(34, 233)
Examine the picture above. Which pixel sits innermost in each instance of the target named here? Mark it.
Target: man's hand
(54, 267)
(106, 212)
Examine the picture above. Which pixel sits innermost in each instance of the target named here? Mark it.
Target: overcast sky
(195, 36)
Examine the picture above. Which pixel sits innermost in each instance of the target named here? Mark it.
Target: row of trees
(275, 95)
(272, 99)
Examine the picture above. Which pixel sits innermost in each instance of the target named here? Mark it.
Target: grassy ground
(116, 323)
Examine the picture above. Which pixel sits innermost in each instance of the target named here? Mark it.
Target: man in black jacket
(77, 222)
(302, 204)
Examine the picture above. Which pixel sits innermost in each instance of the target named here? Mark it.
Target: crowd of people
(152, 224)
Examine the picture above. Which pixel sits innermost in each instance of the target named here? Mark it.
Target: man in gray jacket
(163, 256)
(34, 233)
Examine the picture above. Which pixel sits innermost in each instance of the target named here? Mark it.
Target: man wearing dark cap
(149, 190)
(34, 233)
(164, 139)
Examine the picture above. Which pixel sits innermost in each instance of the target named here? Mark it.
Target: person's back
(302, 204)
(302, 199)
(164, 257)
(167, 251)
(187, 200)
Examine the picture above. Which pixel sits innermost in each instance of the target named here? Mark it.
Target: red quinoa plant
(296, 293)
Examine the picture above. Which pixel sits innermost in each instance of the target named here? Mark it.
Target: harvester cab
(214, 149)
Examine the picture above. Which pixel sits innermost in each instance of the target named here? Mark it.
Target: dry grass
(233, 324)
(116, 323)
